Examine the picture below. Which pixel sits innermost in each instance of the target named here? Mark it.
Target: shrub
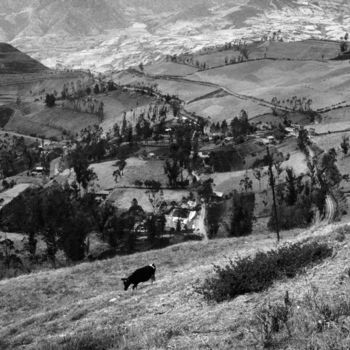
(257, 273)
(243, 214)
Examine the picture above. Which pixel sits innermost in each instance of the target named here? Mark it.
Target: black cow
(140, 275)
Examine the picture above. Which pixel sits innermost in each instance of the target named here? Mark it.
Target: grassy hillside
(13, 61)
(86, 303)
(324, 82)
(50, 122)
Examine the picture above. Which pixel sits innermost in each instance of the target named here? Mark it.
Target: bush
(243, 214)
(257, 273)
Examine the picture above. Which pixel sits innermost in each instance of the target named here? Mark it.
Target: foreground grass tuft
(318, 321)
(98, 340)
(256, 273)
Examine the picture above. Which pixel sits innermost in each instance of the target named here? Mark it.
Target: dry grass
(169, 68)
(135, 169)
(50, 122)
(325, 82)
(309, 49)
(123, 197)
(51, 307)
(223, 107)
(117, 102)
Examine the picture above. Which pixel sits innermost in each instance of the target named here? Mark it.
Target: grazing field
(300, 50)
(169, 68)
(329, 141)
(135, 169)
(123, 197)
(297, 118)
(50, 122)
(186, 91)
(85, 304)
(222, 106)
(117, 102)
(324, 128)
(336, 116)
(326, 83)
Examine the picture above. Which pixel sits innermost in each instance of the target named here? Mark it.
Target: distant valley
(112, 35)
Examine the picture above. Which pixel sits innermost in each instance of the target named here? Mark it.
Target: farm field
(31, 86)
(223, 106)
(301, 50)
(186, 91)
(169, 68)
(324, 128)
(135, 169)
(324, 82)
(50, 122)
(329, 141)
(336, 115)
(297, 118)
(117, 102)
(122, 197)
(87, 302)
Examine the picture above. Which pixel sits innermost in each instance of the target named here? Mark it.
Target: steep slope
(86, 303)
(13, 61)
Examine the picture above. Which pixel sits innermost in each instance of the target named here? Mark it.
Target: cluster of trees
(17, 156)
(296, 198)
(300, 104)
(63, 218)
(146, 124)
(189, 59)
(238, 128)
(183, 154)
(238, 59)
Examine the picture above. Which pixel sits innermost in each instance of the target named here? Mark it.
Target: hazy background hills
(112, 34)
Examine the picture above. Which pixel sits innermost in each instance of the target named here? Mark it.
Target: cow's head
(126, 283)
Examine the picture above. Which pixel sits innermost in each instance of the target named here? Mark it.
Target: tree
(79, 162)
(345, 144)
(327, 170)
(243, 214)
(224, 127)
(96, 89)
(172, 170)
(292, 194)
(50, 100)
(272, 183)
(258, 173)
(116, 130)
(246, 183)
(123, 131)
(303, 139)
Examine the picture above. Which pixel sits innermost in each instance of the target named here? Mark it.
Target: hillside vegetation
(85, 304)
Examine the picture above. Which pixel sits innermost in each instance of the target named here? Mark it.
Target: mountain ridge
(107, 35)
